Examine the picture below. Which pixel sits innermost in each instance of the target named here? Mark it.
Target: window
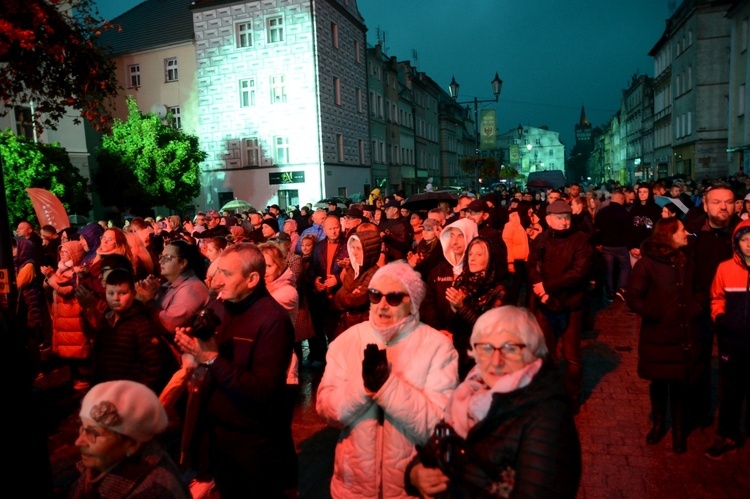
(373, 105)
(251, 151)
(282, 150)
(244, 35)
(743, 36)
(356, 52)
(247, 92)
(134, 76)
(24, 122)
(335, 35)
(340, 147)
(278, 89)
(176, 120)
(170, 69)
(361, 152)
(337, 91)
(374, 151)
(275, 29)
(358, 97)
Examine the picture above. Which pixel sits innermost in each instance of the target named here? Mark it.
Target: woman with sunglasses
(386, 382)
(120, 456)
(508, 430)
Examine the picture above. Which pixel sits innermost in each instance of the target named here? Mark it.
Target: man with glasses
(558, 267)
(386, 382)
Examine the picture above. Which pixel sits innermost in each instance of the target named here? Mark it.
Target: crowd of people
(449, 339)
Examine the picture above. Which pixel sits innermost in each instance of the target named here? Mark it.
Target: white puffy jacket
(380, 431)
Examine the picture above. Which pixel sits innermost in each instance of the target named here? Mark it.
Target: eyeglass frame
(92, 436)
(376, 297)
(168, 258)
(482, 349)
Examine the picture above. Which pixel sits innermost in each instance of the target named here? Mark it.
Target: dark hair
(192, 255)
(219, 241)
(120, 276)
(664, 229)
(523, 208)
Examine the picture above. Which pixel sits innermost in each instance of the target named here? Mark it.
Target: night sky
(553, 55)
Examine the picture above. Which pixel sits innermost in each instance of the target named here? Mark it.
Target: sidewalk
(614, 420)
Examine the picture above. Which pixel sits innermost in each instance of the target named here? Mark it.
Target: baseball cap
(393, 204)
(478, 205)
(430, 224)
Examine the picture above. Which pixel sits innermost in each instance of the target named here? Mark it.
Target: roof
(153, 23)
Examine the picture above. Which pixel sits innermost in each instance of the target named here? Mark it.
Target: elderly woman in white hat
(508, 429)
(119, 455)
(386, 382)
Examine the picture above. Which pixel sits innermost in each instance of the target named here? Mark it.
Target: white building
(282, 100)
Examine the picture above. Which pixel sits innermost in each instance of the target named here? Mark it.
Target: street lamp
(497, 86)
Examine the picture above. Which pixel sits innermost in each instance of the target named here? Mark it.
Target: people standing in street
(661, 292)
(612, 228)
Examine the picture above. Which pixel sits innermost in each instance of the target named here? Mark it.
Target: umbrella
(341, 203)
(429, 200)
(664, 200)
(237, 205)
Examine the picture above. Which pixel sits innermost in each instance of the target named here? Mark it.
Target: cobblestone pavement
(613, 422)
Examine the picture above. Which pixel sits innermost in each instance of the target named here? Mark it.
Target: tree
(30, 164)
(50, 58)
(146, 163)
(485, 168)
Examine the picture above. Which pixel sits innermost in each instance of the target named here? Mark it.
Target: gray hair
(517, 321)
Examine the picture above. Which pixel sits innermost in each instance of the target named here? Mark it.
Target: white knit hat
(409, 278)
(125, 407)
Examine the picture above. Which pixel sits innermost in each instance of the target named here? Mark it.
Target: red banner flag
(49, 210)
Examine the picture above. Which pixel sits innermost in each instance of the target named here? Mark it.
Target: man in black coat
(612, 229)
(396, 232)
(243, 406)
(558, 267)
(711, 245)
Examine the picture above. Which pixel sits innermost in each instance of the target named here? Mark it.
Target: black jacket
(661, 292)
(529, 433)
(561, 260)
(611, 224)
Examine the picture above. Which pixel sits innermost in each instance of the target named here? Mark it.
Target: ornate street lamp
(497, 86)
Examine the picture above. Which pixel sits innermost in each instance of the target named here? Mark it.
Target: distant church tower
(584, 138)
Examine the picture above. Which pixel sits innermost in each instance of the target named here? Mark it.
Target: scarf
(388, 333)
(472, 399)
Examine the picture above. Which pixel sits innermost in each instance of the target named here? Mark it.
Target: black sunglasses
(393, 299)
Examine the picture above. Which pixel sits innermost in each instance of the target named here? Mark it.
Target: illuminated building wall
(282, 103)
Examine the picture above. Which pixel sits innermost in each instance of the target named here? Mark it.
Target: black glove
(375, 368)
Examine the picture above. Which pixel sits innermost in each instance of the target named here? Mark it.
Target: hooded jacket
(68, 338)
(730, 296)
(92, 233)
(380, 430)
(351, 298)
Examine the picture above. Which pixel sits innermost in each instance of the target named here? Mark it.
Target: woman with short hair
(508, 430)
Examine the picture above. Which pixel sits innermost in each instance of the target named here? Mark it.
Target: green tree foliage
(145, 163)
(485, 168)
(509, 173)
(30, 164)
(49, 56)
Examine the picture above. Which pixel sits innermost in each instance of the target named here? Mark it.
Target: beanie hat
(75, 249)
(407, 276)
(559, 207)
(271, 222)
(125, 407)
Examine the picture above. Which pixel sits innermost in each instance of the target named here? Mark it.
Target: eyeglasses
(90, 434)
(393, 299)
(167, 258)
(510, 351)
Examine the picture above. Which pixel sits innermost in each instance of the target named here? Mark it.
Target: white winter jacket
(371, 456)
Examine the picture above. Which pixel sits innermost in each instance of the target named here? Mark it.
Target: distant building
(531, 149)
(583, 131)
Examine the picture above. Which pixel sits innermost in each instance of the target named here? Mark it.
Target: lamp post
(497, 86)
